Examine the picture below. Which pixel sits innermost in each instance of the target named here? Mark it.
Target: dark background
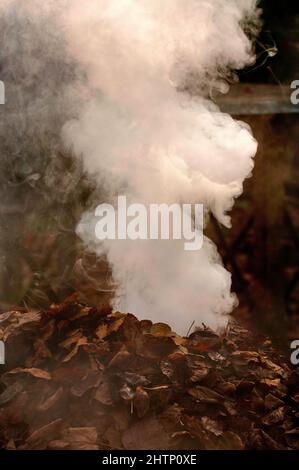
(262, 249)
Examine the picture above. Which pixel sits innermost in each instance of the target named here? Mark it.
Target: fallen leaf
(92, 380)
(82, 341)
(160, 329)
(83, 446)
(102, 331)
(5, 316)
(271, 382)
(272, 402)
(127, 393)
(212, 426)
(103, 393)
(10, 393)
(37, 439)
(245, 357)
(52, 400)
(73, 338)
(275, 416)
(205, 395)
(145, 434)
(116, 324)
(121, 360)
(87, 435)
(10, 445)
(199, 374)
(58, 445)
(260, 440)
(216, 357)
(228, 441)
(274, 367)
(84, 312)
(167, 369)
(38, 373)
(141, 402)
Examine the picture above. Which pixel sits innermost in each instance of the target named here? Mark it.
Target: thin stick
(190, 328)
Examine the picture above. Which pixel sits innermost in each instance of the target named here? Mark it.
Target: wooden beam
(255, 99)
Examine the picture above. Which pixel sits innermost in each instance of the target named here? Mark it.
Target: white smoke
(141, 134)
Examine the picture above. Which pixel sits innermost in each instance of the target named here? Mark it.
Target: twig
(190, 328)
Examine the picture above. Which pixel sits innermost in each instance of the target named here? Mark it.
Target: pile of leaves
(78, 377)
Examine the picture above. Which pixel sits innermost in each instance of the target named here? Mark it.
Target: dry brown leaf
(205, 395)
(203, 340)
(102, 331)
(260, 440)
(29, 317)
(5, 316)
(37, 439)
(199, 374)
(209, 441)
(115, 326)
(275, 416)
(48, 330)
(272, 402)
(82, 341)
(180, 341)
(127, 393)
(73, 338)
(271, 382)
(52, 400)
(245, 357)
(10, 393)
(38, 373)
(158, 387)
(272, 366)
(293, 432)
(121, 360)
(83, 312)
(21, 319)
(296, 397)
(103, 393)
(228, 441)
(10, 445)
(141, 402)
(58, 445)
(212, 426)
(87, 435)
(135, 379)
(167, 369)
(230, 408)
(41, 349)
(83, 446)
(142, 368)
(119, 319)
(92, 380)
(160, 329)
(145, 434)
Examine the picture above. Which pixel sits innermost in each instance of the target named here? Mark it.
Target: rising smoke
(143, 134)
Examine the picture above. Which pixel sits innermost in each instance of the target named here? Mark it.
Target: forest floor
(80, 377)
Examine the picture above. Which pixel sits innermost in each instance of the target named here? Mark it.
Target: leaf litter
(80, 377)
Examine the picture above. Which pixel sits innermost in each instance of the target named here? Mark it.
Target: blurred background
(43, 189)
(262, 249)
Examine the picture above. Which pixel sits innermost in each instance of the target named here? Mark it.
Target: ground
(80, 377)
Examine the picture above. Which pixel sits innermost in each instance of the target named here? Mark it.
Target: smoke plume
(142, 132)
